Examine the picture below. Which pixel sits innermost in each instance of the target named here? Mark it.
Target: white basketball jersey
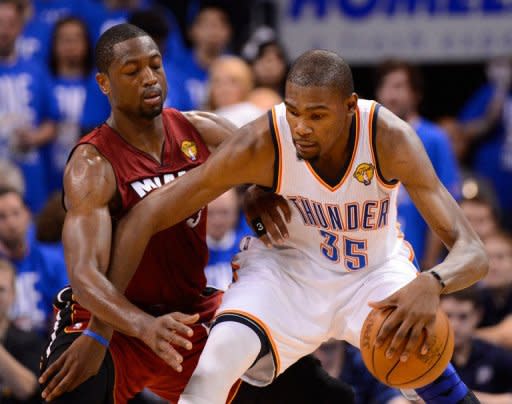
(352, 225)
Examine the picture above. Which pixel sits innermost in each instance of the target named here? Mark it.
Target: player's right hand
(79, 362)
(165, 331)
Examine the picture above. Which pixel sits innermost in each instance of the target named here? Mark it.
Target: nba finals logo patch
(364, 173)
(189, 149)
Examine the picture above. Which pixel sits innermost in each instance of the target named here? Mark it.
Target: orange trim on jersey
(411, 250)
(370, 134)
(264, 327)
(349, 168)
(234, 391)
(280, 151)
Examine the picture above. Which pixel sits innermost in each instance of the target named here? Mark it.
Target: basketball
(419, 370)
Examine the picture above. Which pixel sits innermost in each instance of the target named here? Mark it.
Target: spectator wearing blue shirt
(487, 122)
(399, 88)
(25, 122)
(345, 362)
(71, 65)
(209, 35)
(40, 273)
(223, 238)
(483, 367)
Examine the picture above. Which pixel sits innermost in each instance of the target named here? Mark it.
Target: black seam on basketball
(438, 359)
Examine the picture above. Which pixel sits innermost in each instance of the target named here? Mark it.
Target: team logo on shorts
(364, 173)
(189, 149)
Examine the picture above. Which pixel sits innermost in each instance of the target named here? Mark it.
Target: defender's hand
(270, 209)
(78, 363)
(165, 331)
(415, 307)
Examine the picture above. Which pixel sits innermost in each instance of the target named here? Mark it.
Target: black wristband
(258, 226)
(438, 277)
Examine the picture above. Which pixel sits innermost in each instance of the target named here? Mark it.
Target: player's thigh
(98, 389)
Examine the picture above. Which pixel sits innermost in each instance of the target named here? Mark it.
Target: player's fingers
(50, 370)
(186, 318)
(62, 387)
(272, 231)
(278, 231)
(178, 340)
(177, 326)
(170, 356)
(389, 325)
(390, 301)
(400, 336)
(285, 208)
(54, 382)
(266, 240)
(429, 330)
(415, 339)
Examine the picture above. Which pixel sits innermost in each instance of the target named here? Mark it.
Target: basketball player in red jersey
(161, 321)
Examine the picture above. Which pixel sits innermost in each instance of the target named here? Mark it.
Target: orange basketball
(419, 370)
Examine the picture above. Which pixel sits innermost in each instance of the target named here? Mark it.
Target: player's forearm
(98, 295)
(465, 265)
(21, 381)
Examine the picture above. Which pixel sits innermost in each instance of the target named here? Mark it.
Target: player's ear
(351, 103)
(103, 83)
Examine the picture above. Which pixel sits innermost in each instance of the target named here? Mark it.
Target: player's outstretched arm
(402, 157)
(246, 157)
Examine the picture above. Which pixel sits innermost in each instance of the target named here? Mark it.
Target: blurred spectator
(268, 59)
(49, 224)
(345, 362)
(41, 273)
(25, 124)
(71, 64)
(487, 120)
(230, 85)
(223, 238)
(497, 291)
(480, 207)
(459, 141)
(264, 98)
(11, 176)
(209, 35)
(400, 89)
(19, 350)
(152, 21)
(484, 367)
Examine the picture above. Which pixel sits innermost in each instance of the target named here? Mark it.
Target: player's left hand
(269, 209)
(415, 307)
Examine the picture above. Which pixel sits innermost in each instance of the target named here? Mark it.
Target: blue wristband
(97, 337)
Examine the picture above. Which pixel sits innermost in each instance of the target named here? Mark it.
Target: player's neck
(145, 135)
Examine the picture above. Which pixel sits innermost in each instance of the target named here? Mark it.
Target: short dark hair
(322, 68)
(5, 190)
(88, 62)
(104, 51)
(414, 76)
(152, 21)
(472, 294)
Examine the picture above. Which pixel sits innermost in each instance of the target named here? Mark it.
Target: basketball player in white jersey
(338, 160)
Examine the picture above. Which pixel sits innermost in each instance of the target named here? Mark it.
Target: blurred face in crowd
(230, 81)
(136, 82)
(14, 220)
(499, 251)
(464, 318)
(6, 288)
(457, 138)
(11, 24)
(317, 116)
(71, 44)
(396, 94)
(480, 217)
(222, 215)
(270, 68)
(211, 31)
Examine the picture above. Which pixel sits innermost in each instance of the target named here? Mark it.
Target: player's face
(464, 318)
(396, 94)
(318, 118)
(499, 252)
(11, 24)
(14, 220)
(136, 80)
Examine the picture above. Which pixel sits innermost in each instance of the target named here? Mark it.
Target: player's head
(499, 250)
(14, 218)
(320, 102)
(464, 310)
(130, 71)
(11, 25)
(399, 87)
(7, 287)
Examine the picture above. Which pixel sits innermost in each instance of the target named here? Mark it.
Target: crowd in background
(49, 99)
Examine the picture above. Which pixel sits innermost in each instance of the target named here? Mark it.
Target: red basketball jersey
(170, 276)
